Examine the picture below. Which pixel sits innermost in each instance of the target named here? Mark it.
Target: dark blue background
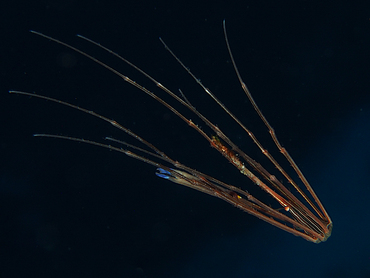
(74, 210)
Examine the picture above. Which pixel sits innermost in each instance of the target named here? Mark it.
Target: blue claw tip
(164, 174)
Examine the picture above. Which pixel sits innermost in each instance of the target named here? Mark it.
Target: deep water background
(75, 210)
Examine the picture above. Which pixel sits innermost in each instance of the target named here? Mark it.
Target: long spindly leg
(322, 212)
